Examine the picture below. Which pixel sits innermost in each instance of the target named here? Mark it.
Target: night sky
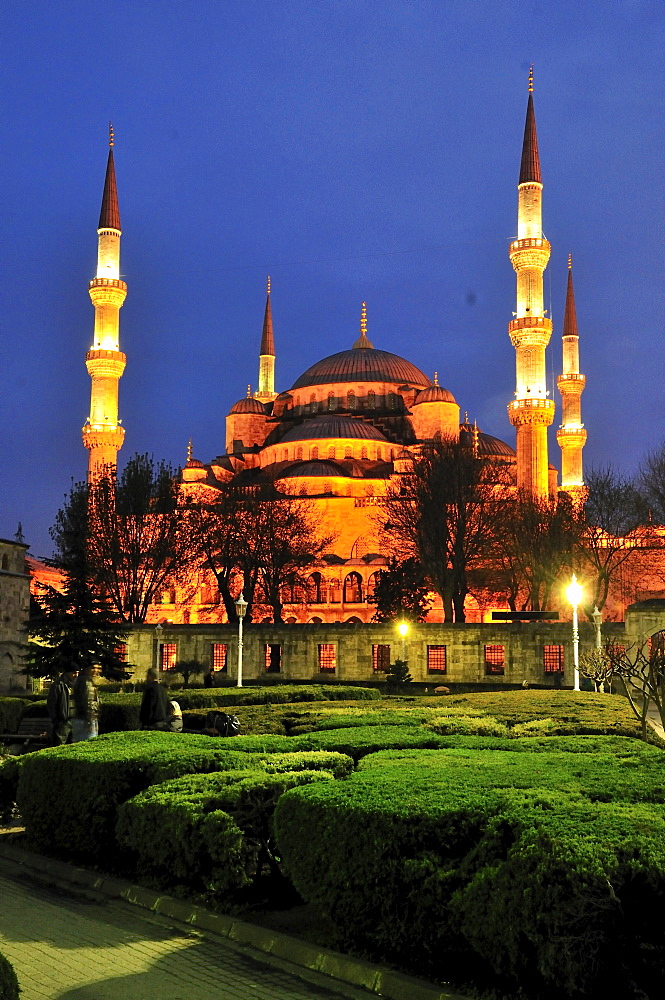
(353, 150)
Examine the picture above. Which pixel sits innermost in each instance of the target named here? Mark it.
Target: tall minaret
(102, 433)
(571, 435)
(266, 391)
(531, 412)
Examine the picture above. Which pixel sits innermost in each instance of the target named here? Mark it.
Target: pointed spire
(109, 217)
(570, 315)
(530, 166)
(363, 341)
(189, 451)
(267, 336)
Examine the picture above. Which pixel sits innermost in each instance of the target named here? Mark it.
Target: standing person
(60, 706)
(209, 678)
(154, 710)
(85, 722)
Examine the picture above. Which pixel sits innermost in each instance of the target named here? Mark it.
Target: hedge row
(111, 769)
(9, 988)
(211, 833)
(541, 870)
(11, 712)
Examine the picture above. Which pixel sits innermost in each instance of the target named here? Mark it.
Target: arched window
(299, 454)
(353, 589)
(331, 452)
(5, 562)
(379, 456)
(332, 404)
(371, 399)
(285, 455)
(312, 403)
(314, 454)
(350, 400)
(348, 451)
(315, 589)
(372, 582)
(363, 452)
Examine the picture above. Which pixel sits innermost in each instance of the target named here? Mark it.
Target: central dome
(363, 364)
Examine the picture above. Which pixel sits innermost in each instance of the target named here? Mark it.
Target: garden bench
(32, 734)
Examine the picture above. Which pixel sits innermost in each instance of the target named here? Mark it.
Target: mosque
(348, 424)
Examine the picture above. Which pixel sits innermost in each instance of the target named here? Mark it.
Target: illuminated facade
(102, 432)
(571, 435)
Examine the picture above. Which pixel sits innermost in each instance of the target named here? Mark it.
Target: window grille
(494, 659)
(219, 655)
(381, 658)
(552, 659)
(168, 654)
(327, 657)
(436, 660)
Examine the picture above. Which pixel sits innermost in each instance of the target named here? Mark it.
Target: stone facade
(14, 610)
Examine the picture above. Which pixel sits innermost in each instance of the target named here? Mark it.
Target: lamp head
(403, 628)
(574, 592)
(241, 606)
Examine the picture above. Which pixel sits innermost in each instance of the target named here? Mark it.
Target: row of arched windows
(332, 453)
(318, 590)
(350, 402)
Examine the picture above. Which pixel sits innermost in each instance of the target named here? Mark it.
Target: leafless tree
(642, 669)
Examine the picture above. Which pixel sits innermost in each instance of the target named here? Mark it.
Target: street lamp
(403, 629)
(574, 595)
(241, 609)
(597, 619)
(158, 637)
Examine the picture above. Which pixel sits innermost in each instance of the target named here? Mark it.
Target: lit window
(371, 399)
(436, 659)
(381, 658)
(314, 454)
(331, 452)
(121, 652)
(327, 657)
(363, 452)
(348, 451)
(351, 400)
(552, 659)
(331, 401)
(168, 654)
(299, 454)
(379, 456)
(494, 659)
(219, 654)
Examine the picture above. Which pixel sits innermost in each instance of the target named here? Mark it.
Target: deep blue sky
(352, 149)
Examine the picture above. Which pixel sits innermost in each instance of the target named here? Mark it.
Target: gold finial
(189, 451)
(531, 79)
(363, 320)
(436, 378)
(111, 136)
(570, 261)
(475, 439)
(268, 284)
(466, 416)
(249, 391)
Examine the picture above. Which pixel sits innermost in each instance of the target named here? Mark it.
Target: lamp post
(597, 620)
(241, 609)
(403, 629)
(574, 595)
(158, 636)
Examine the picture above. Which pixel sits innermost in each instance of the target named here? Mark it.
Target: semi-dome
(315, 468)
(248, 405)
(331, 425)
(364, 364)
(434, 394)
(487, 444)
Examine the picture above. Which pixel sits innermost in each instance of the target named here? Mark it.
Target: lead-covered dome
(332, 426)
(363, 364)
(487, 444)
(434, 394)
(248, 405)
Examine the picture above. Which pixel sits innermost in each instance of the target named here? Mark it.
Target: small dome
(487, 445)
(194, 463)
(362, 365)
(314, 468)
(434, 394)
(248, 405)
(330, 425)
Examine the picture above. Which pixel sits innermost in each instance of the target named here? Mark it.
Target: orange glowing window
(381, 658)
(168, 654)
(327, 657)
(495, 657)
(219, 656)
(436, 660)
(552, 659)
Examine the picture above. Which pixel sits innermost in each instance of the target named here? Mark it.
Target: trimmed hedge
(540, 870)
(9, 988)
(211, 833)
(11, 712)
(358, 741)
(113, 768)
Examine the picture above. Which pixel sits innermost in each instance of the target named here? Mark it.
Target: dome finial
(363, 320)
(268, 285)
(570, 261)
(249, 391)
(189, 451)
(111, 136)
(436, 378)
(531, 79)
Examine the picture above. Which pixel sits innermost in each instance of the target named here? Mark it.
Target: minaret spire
(531, 412)
(102, 433)
(571, 435)
(266, 390)
(363, 340)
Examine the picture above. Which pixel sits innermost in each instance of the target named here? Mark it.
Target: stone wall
(14, 610)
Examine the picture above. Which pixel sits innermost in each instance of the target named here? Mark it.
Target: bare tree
(652, 484)
(642, 669)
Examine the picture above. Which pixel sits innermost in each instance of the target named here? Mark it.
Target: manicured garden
(512, 843)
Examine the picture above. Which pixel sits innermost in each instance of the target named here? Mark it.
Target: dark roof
(434, 394)
(530, 166)
(109, 216)
(487, 445)
(248, 405)
(570, 315)
(267, 337)
(332, 425)
(364, 364)
(325, 468)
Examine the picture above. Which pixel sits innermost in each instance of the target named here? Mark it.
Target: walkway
(65, 946)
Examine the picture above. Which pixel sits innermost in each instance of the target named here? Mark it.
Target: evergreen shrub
(8, 787)
(357, 741)
(540, 870)
(11, 712)
(211, 832)
(9, 988)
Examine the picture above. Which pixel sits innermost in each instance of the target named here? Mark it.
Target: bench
(32, 734)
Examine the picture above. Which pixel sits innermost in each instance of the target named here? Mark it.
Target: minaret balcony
(101, 436)
(572, 383)
(571, 437)
(529, 253)
(105, 364)
(107, 291)
(531, 411)
(530, 331)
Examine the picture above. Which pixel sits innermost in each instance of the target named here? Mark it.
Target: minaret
(571, 435)
(266, 391)
(531, 412)
(102, 433)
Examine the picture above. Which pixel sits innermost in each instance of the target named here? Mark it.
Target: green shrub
(539, 870)
(283, 694)
(11, 712)
(212, 832)
(9, 988)
(8, 787)
(297, 723)
(35, 709)
(337, 764)
(358, 741)
(476, 725)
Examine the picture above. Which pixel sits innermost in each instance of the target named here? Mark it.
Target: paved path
(69, 947)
